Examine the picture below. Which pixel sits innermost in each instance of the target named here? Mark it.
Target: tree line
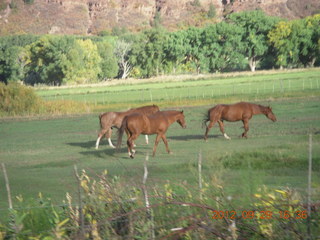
(243, 41)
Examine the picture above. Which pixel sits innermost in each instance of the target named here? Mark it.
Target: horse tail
(100, 116)
(206, 119)
(121, 131)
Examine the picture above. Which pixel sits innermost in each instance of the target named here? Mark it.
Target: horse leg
(130, 143)
(221, 125)
(147, 139)
(100, 135)
(164, 139)
(246, 127)
(156, 144)
(208, 129)
(108, 136)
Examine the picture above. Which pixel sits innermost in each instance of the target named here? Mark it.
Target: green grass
(187, 91)
(40, 154)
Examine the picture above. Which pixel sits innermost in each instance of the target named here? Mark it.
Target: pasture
(40, 152)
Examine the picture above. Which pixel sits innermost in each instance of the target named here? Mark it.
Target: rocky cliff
(94, 16)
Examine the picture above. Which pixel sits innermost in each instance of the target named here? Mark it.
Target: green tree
(12, 56)
(90, 62)
(147, 52)
(212, 11)
(222, 47)
(109, 64)
(11, 64)
(56, 60)
(193, 45)
(157, 20)
(292, 41)
(175, 49)
(256, 26)
(312, 50)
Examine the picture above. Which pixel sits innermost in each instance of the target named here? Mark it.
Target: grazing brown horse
(158, 123)
(235, 112)
(114, 119)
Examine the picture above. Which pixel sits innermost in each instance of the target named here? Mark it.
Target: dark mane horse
(242, 111)
(114, 119)
(158, 123)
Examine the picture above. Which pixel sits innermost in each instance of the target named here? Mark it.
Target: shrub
(16, 99)
(19, 100)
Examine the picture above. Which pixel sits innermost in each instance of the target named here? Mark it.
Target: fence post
(81, 224)
(309, 186)
(200, 173)
(146, 197)
(7, 184)
(151, 98)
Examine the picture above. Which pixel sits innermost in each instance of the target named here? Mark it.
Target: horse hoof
(131, 156)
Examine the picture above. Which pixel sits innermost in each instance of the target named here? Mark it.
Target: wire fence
(196, 91)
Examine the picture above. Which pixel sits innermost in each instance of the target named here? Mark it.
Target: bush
(19, 100)
(16, 99)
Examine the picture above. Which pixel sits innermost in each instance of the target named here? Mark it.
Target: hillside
(93, 16)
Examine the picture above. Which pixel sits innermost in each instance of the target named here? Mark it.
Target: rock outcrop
(94, 16)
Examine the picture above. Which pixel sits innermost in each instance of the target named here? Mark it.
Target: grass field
(40, 153)
(192, 89)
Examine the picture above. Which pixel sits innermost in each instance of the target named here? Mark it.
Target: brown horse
(235, 112)
(114, 119)
(158, 123)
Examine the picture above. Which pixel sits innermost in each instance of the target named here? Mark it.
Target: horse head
(181, 120)
(269, 114)
(155, 109)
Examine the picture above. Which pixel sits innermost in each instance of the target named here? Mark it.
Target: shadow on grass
(192, 137)
(100, 153)
(86, 145)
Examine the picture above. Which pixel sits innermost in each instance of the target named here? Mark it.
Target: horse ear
(182, 111)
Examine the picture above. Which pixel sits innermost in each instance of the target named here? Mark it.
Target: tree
(175, 49)
(109, 64)
(312, 50)
(11, 64)
(222, 47)
(90, 62)
(56, 60)
(121, 51)
(193, 45)
(212, 11)
(291, 40)
(255, 25)
(12, 56)
(147, 54)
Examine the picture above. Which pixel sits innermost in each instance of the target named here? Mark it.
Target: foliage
(110, 209)
(36, 219)
(109, 63)
(212, 11)
(260, 41)
(255, 26)
(16, 99)
(147, 53)
(293, 41)
(19, 100)
(11, 64)
(222, 47)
